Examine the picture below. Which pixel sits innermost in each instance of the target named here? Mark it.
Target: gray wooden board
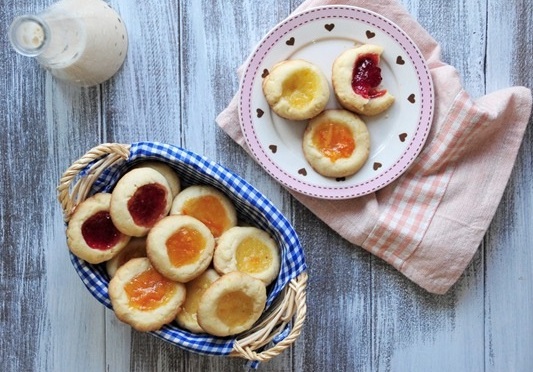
(179, 74)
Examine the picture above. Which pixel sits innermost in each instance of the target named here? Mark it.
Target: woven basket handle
(293, 308)
(69, 193)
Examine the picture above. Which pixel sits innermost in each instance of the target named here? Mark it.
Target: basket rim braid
(282, 321)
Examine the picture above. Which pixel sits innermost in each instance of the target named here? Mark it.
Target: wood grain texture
(509, 258)
(180, 72)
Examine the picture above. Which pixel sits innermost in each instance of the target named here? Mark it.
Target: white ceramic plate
(319, 35)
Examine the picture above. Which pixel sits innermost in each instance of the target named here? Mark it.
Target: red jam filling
(367, 76)
(99, 231)
(147, 205)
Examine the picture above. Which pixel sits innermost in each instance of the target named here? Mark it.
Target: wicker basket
(280, 325)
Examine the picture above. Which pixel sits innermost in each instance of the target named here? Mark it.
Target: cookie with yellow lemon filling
(187, 318)
(142, 297)
(232, 304)
(208, 205)
(140, 198)
(180, 247)
(296, 89)
(91, 234)
(170, 174)
(336, 143)
(356, 79)
(136, 247)
(249, 250)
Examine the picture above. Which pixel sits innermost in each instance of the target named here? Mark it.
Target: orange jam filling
(149, 290)
(234, 308)
(334, 140)
(184, 246)
(300, 88)
(210, 211)
(253, 256)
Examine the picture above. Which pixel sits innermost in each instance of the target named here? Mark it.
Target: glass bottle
(83, 42)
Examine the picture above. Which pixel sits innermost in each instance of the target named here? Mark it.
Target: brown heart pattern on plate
(302, 171)
(411, 98)
(290, 41)
(377, 165)
(260, 112)
(273, 148)
(402, 136)
(329, 26)
(370, 34)
(265, 73)
(399, 60)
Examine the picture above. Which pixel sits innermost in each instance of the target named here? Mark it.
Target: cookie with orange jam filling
(91, 234)
(232, 304)
(188, 318)
(296, 89)
(140, 198)
(208, 205)
(180, 247)
(336, 143)
(142, 297)
(356, 78)
(249, 250)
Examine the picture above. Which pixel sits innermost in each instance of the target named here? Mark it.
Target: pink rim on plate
(319, 35)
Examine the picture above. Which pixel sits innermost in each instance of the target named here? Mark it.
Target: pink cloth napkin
(429, 223)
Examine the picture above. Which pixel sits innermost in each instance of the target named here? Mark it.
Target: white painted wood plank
(142, 103)
(49, 313)
(75, 320)
(509, 258)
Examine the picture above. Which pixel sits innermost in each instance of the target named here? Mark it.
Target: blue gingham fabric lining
(252, 207)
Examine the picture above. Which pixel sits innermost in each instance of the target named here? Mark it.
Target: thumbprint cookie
(180, 247)
(141, 198)
(170, 174)
(142, 297)
(187, 318)
(232, 304)
(208, 205)
(296, 89)
(91, 234)
(136, 247)
(336, 143)
(248, 250)
(356, 78)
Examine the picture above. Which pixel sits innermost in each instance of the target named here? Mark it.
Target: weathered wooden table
(179, 74)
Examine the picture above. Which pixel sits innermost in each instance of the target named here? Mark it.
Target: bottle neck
(29, 35)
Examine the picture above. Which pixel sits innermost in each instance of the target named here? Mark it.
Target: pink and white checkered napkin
(429, 223)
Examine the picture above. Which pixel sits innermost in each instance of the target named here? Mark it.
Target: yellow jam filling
(184, 246)
(234, 308)
(334, 140)
(253, 256)
(300, 88)
(210, 211)
(149, 290)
